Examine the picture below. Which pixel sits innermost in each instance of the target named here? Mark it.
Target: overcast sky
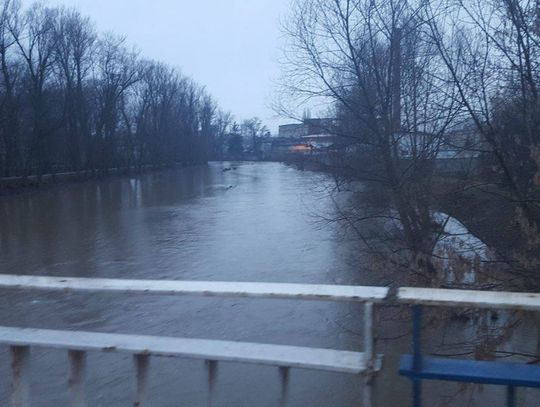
(230, 46)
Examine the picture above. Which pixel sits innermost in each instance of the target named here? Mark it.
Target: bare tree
(75, 46)
(491, 49)
(253, 129)
(9, 103)
(35, 39)
(373, 62)
(223, 123)
(116, 72)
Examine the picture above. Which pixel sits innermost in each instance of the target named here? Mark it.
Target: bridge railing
(142, 347)
(78, 343)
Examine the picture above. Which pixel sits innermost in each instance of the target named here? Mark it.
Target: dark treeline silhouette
(74, 100)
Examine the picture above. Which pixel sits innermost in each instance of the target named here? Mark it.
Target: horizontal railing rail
(469, 298)
(319, 292)
(206, 349)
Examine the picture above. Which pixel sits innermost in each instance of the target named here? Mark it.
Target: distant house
(452, 146)
(317, 127)
(458, 151)
(320, 142)
(312, 136)
(292, 130)
(309, 127)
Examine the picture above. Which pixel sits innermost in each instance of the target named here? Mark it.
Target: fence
(77, 343)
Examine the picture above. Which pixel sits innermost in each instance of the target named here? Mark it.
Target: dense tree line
(72, 99)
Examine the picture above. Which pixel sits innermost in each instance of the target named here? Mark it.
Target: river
(225, 222)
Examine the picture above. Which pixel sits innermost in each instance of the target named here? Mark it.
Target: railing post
(369, 354)
(510, 396)
(211, 366)
(77, 373)
(141, 372)
(20, 370)
(284, 376)
(417, 354)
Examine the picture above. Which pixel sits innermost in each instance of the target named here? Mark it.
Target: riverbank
(22, 183)
(481, 209)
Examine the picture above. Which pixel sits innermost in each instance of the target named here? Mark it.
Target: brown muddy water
(257, 222)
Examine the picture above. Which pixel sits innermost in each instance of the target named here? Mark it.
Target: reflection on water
(253, 223)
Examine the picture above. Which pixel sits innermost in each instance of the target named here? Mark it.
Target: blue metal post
(417, 354)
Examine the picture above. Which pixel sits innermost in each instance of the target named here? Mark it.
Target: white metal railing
(205, 288)
(469, 298)
(142, 347)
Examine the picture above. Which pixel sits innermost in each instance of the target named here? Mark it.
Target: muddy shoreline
(9, 185)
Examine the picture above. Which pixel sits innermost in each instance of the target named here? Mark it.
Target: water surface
(224, 222)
